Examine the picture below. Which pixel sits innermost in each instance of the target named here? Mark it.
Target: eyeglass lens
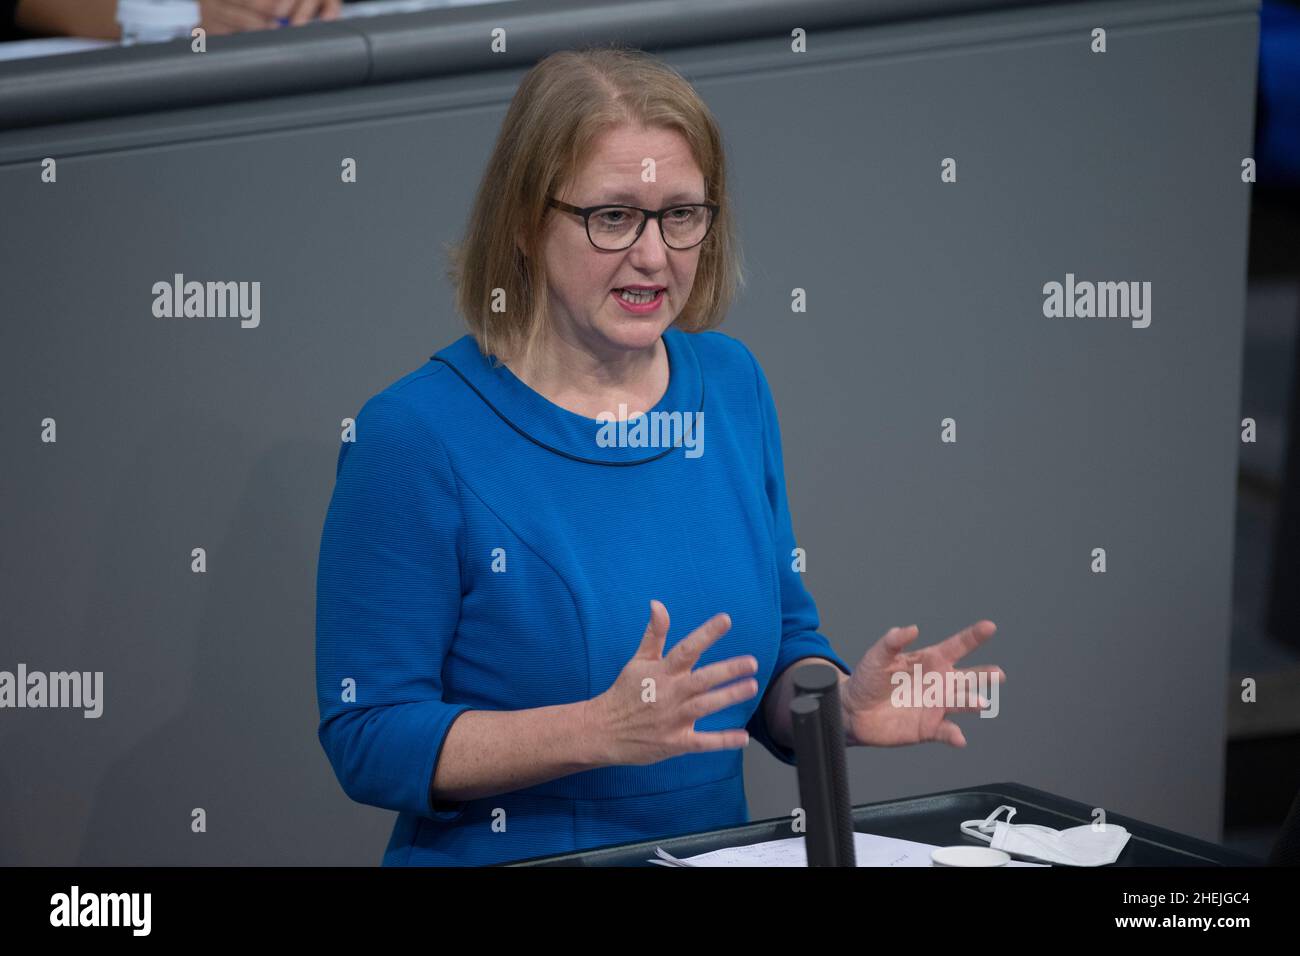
(613, 227)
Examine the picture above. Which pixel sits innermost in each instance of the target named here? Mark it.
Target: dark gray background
(925, 302)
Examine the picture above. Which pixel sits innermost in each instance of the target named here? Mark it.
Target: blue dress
(486, 549)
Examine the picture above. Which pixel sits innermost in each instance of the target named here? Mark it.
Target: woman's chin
(635, 334)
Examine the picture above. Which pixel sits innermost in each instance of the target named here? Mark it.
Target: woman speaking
(556, 595)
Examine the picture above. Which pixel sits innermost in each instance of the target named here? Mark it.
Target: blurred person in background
(22, 19)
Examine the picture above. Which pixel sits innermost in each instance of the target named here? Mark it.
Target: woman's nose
(651, 242)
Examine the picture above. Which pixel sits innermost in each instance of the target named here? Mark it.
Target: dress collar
(559, 430)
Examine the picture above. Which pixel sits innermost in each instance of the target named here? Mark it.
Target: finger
(236, 19)
(656, 633)
(267, 8)
(992, 670)
(982, 703)
(705, 678)
(950, 733)
(302, 12)
(899, 637)
(687, 652)
(893, 641)
(963, 642)
(215, 26)
(701, 741)
(721, 699)
(332, 10)
(967, 689)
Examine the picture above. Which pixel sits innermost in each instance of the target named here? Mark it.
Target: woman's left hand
(870, 713)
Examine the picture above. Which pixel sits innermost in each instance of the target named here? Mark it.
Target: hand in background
(236, 16)
(306, 10)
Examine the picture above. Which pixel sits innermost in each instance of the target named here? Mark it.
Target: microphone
(821, 766)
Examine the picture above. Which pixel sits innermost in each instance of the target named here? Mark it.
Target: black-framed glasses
(614, 227)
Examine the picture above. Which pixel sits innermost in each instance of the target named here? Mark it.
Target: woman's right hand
(649, 713)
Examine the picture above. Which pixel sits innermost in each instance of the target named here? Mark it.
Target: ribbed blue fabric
(483, 549)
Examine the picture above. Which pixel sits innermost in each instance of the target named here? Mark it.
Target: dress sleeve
(388, 591)
(799, 620)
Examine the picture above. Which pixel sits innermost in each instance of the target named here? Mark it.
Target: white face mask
(1077, 846)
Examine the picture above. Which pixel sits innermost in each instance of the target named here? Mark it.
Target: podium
(930, 818)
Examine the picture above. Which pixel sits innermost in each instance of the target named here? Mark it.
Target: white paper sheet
(869, 850)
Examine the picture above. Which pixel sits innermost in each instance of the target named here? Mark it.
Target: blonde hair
(562, 105)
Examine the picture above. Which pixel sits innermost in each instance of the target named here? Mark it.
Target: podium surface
(930, 818)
